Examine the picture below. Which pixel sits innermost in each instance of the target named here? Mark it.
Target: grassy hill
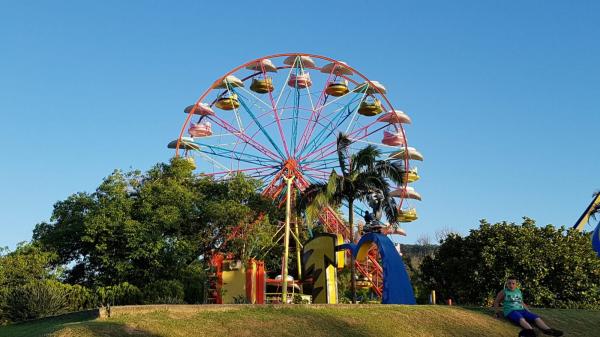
(297, 321)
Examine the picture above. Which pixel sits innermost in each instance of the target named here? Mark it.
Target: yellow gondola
(228, 103)
(262, 86)
(407, 215)
(412, 175)
(337, 89)
(370, 108)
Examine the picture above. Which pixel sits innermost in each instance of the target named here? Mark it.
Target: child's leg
(524, 324)
(516, 317)
(541, 324)
(531, 317)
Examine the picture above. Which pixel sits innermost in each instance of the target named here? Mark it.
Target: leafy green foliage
(164, 292)
(145, 227)
(193, 279)
(120, 294)
(557, 268)
(27, 264)
(42, 298)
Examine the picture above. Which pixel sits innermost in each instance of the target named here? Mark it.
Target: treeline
(147, 238)
(139, 238)
(556, 267)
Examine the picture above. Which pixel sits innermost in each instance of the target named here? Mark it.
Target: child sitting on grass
(516, 311)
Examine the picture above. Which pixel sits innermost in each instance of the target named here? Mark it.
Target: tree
(145, 227)
(556, 266)
(361, 174)
(26, 265)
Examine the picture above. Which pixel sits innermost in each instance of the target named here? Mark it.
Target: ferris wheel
(278, 117)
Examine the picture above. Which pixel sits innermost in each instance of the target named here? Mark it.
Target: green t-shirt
(513, 300)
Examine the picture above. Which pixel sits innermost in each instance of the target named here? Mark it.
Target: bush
(120, 294)
(193, 280)
(79, 297)
(164, 292)
(37, 299)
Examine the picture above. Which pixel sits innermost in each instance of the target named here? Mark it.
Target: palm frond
(365, 158)
(390, 208)
(595, 212)
(335, 185)
(343, 142)
(308, 195)
(393, 170)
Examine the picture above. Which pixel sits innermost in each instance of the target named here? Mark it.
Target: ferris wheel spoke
(315, 177)
(365, 131)
(338, 119)
(325, 153)
(275, 112)
(267, 105)
(218, 149)
(295, 112)
(325, 133)
(228, 154)
(364, 95)
(244, 138)
(296, 107)
(212, 160)
(315, 111)
(257, 170)
(238, 118)
(261, 127)
(284, 86)
(325, 160)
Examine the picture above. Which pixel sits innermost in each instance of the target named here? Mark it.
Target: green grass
(299, 321)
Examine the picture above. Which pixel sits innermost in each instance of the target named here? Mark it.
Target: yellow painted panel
(332, 291)
(340, 256)
(234, 285)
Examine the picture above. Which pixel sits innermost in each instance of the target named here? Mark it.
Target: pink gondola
(395, 117)
(200, 129)
(202, 109)
(392, 139)
(300, 81)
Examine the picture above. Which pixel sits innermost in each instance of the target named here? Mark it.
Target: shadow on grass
(299, 322)
(73, 324)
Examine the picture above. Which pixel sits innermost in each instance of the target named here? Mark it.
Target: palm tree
(361, 174)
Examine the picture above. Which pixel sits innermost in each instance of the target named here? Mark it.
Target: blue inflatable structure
(596, 240)
(397, 288)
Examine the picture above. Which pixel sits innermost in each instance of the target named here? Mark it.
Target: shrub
(37, 299)
(120, 294)
(163, 291)
(79, 297)
(193, 280)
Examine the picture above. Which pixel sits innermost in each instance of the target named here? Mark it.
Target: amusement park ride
(276, 118)
(592, 208)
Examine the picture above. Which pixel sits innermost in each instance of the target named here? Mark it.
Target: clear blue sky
(504, 96)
